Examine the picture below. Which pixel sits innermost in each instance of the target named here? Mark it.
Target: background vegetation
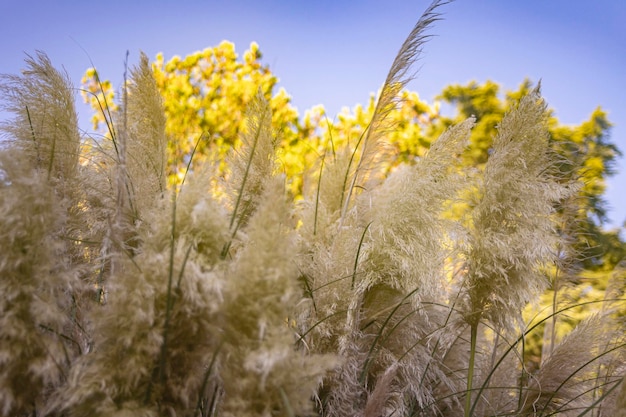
(216, 253)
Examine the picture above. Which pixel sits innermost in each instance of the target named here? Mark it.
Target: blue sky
(336, 53)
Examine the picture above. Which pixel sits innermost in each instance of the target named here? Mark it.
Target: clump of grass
(263, 374)
(567, 380)
(36, 271)
(163, 288)
(372, 297)
(35, 349)
(158, 324)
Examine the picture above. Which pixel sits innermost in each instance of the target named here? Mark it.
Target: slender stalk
(554, 318)
(470, 370)
(317, 195)
(521, 340)
(32, 132)
(602, 397)
(319, 178)
(581, 367)
(205, 383)
(358, 253)
(344, 202)
(170, 299)
(368, 360)
(523, 374)
(158, 373)
(257, 134)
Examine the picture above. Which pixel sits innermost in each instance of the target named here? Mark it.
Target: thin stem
(522, 337)
(257, 134)
(317, 195)
(159, 370)
(169, 300)
(554, 300)
(374, 344)
(358, 252)
(205, 383)
(470, 370)
(32, 132)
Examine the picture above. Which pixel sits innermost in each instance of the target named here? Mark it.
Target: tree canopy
(206, 94)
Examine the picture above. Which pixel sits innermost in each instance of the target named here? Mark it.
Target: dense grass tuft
(383, 292)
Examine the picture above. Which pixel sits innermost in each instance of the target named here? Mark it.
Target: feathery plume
(34, 280)
(565, 383)
(404, 248)
(263, 374)
(45, 122)
(515, 206)
(37, 174)
(158, 325)
(146, 146)
(398, 77)
(253, 162)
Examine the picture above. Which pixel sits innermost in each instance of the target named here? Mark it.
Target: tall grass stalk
(398, 77)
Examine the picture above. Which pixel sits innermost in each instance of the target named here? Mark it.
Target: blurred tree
(206, 95)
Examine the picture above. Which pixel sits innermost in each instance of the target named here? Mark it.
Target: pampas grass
(384, 292)
(567, 378)
(45, 123)
(35, 280)
(516, 199)
(37, 276)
